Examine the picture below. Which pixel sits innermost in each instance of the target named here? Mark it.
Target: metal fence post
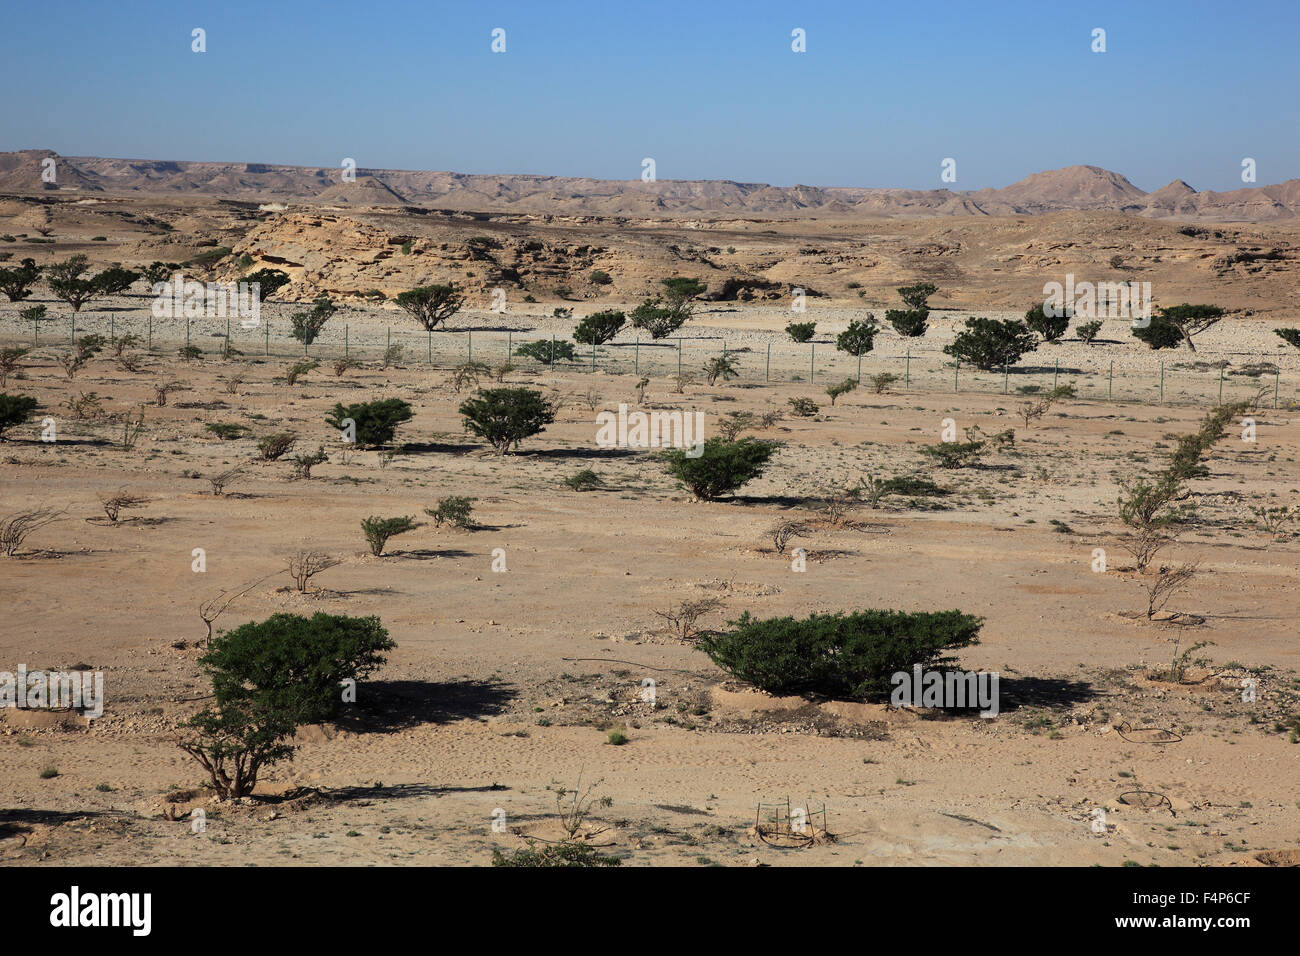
(1110, 381)
(345, 340)
(1162, 381)
(956, 367)
(470, 335)
(1277, 381)
(679, 357)
(1004, 378)
(907, 371)
(767, 373)
(636, 359)
(1220, 384)
(812, 368)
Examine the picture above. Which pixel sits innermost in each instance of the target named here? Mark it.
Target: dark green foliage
(1178, 323)
(432, 304)
(843, 388)
(66, 282)
(269, 282)
(846, 656)
(376, 421)
(307, 325)
(269, 678)
(992, 343)
(1290, 336)
(600, 278)
(599, 327)
(720, 367)
(17, 283)
(910, 323)
(227, 431)
(378, 530)
(555, 854)
(859, 338)
(547, 351)
(1087, 331)
(14, 410)
(506, 416)
(722, 467)
(954, 454)
(1159, 334)
(662, 318)
(1049, 327)
(801, 331)
(455, 511)
(916, 295)
(157, 272)
(293, 664)
(585, 480)
(803, 407)
(115, 280)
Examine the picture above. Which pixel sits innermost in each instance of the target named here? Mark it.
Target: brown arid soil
(505, 686)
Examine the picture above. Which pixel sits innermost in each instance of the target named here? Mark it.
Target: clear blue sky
(708, 88)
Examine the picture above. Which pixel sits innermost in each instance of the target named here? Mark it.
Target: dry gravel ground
(504, 685)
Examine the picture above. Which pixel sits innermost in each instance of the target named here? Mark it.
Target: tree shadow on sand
(386, 706)
(1051, 692)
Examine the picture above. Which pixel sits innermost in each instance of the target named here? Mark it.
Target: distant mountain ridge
(1074, 188)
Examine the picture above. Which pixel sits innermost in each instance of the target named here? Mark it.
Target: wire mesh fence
(818, 364)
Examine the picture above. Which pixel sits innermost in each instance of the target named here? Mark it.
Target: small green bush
(909, 323)
(378, 530)
(843, 388)
(844, 656)
(454, 511)
(722, 466)
(1049, 327)
(547, 351)
(599, 327)
(506, 416)
(859, 338)
(801, 331)
(15, 410)
(376, 421)
(992, 343)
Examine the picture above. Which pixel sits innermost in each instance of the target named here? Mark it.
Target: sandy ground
(506, 685)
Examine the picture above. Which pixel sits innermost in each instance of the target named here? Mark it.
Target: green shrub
(843, 388)
(1290, 336)
(17, 283)
(585, 480)
(431, 305)
(803, 407)
(859, 338)
(556, 854)
(269, 282)
(1087, 331)
(909, 323)
(992, 343)
(378, 530)
(14, 410)
(307, 325)
(600, 278)
(720, 367)
(722, 467)
(954, 454)
(1049, 327)
(599, 327)
(1178, 323)
(506, 416)
(916, 295)
(547, 351)
(455, 511)
(376, 422)
(189, 353)
(801, 331)
(227, 431)
(844, 656)
(114, 280)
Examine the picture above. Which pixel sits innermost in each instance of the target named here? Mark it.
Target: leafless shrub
(1276, 521)
(15, 528)
(131, 362)
(227, 477)
(641, 385)
(9, 359)
(124, 342)
(499, 372)
(880, 383)
(133, 429)
(681, 381)
(120, 501)
(1144, 544)
(345, 363)
(1035, 409)
(1166, 583)
(392, 355)
(162, 389)
(213, 608)
(303, 564)
(72, 363)
(84, 406)
(236, 379)
(783, 531)
(768, 419)
(591, 398)
(682, 618)
(573, 813)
